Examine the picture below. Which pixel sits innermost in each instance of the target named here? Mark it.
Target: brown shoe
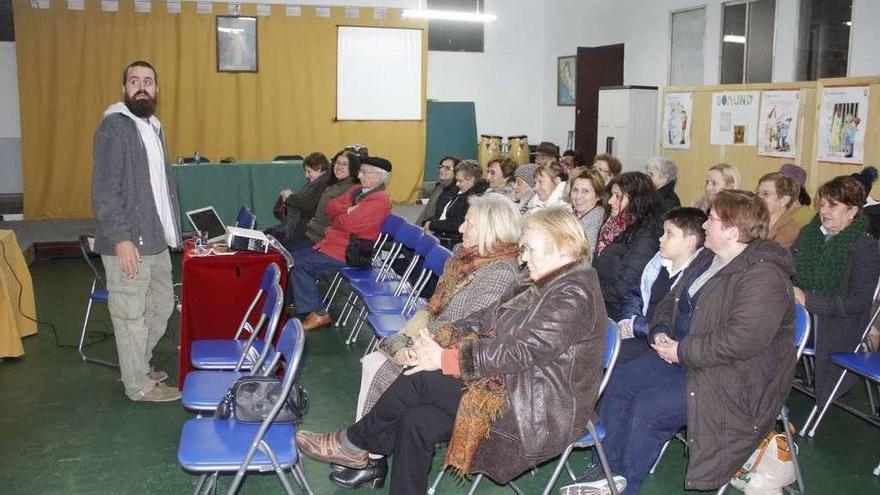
(328, 447)
(157, 375)
(314, 320)
(159, 393)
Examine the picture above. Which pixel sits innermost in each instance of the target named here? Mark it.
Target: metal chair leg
(877, 470)
(345, 307)
(200, 484)
(476, 482)
(659, 456)
(827, 404)
(809, 420)
(722, 489)
(793, 448)
(562, 462)
(602, 459)
(433, 488)
(298, 469)
(82, 338)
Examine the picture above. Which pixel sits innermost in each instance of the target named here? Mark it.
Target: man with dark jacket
(663, 173)
(135, 204)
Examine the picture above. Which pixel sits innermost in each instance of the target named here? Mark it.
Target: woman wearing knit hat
(524, 183)
(872, 207)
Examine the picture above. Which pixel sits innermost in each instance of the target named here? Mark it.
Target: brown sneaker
(314, 320)
(160, 393)
(157, 375)
(327, 447)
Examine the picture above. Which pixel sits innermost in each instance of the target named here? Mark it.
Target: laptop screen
(207, 220)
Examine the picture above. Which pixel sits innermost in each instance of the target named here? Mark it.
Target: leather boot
(374, 474)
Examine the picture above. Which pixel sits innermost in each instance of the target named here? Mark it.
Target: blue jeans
(643, 407)
(310, 266)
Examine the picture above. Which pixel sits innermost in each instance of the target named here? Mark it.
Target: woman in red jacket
(359, 212)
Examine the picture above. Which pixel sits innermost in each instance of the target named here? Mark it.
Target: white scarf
(150, 135)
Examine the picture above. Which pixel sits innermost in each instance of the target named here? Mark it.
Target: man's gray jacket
(122, 197)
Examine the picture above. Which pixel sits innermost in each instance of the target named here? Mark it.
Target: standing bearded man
(135, 204)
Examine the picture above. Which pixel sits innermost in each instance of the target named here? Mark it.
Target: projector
(246, 240)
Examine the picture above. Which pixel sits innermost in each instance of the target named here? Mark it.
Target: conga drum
(518, 149)
(489, 147)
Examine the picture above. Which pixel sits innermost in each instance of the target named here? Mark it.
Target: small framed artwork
(566, 75)
(236, 44)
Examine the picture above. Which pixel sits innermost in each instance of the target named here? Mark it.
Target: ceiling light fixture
(448, 15)
(732, 38)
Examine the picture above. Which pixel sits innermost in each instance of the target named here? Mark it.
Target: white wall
(864, 57)
(10, 127)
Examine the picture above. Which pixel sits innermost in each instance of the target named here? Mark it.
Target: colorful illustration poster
(677, 119)
(842, 122)
(735, 118)
(777, 127)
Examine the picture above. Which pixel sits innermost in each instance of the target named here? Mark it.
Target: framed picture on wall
(236, 44)
(566, 75)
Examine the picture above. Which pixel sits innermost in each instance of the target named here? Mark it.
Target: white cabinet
(627, 124)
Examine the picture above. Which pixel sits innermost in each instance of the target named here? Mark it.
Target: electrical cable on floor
(21, 296)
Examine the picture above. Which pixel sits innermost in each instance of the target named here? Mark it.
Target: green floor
(67, 428)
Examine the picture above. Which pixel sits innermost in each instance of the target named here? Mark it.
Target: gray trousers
(140, 308)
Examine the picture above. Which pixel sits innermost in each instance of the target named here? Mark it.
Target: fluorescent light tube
(448, 15)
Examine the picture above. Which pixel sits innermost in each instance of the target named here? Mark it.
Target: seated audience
(299, 207)
(608, 166)
(550, 185)
(572, 162)
(499, 174)
(546, 152)
(780, 194)
(346, 166)
(720, 176)
(872, 208)
(803, 211)
(724, 359)
(663, 173)
(586, 202)
(682, 239)
(359, 213)
(479, 272)
(523, 187)
(628, 239)
(475, 383)
(445, 185)
(449, 215)
(837, 264)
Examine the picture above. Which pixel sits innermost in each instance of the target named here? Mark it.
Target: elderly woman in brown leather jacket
(509, 387)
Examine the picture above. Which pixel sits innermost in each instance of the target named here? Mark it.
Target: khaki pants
(140, 308)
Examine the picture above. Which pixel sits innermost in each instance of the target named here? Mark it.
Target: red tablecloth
(215, 294)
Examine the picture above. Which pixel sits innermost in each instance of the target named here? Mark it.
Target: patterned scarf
(481, 402)
(612, 228)
(820, 264)
(459, 272)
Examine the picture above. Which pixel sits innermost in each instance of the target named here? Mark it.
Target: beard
(143, 108)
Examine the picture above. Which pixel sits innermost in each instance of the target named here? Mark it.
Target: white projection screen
(378, 74)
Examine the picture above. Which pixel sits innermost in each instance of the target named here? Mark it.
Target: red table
(215, 294)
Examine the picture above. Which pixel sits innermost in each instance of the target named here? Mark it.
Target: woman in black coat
(628, 239)
(451, 209)
(837, 264)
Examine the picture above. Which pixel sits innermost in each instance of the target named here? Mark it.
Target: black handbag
(251, 398)
(359, 252)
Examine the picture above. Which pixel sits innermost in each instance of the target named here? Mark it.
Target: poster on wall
(566, 73)
(842, 121)
(777, 128)
(735, 118)
(677, 115)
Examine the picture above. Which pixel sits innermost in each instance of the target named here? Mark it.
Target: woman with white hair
(663, 173)
(476, 276)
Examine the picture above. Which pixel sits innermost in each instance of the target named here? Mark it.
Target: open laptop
(207, 220)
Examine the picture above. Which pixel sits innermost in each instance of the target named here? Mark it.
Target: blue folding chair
(381, 263)
(385, 324)
(203, 389)
(408, 235)
(802, 329)
(211, 446)
(219, 354)
(97, 294)
(594, 434)
(245, 218)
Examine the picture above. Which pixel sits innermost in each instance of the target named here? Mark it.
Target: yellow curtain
(70, 70)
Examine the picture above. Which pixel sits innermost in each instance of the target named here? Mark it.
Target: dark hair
(455, 160)
(690, 220)
(139, 63)
(644, 200)
(354, 165)
(745, 211)
(804, 197)
(506, 164)
(614, 164)
(845, 189)
(317, 161)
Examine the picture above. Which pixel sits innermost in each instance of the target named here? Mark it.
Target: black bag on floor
(359, 252)
(250, 400)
